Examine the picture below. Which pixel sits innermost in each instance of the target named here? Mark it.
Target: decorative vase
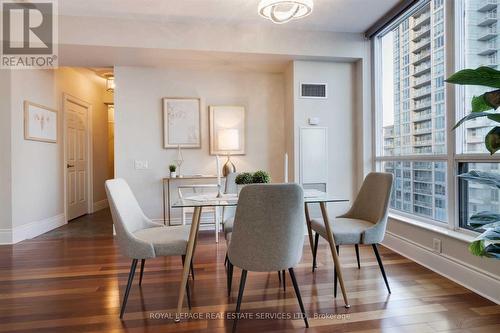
(173, 174)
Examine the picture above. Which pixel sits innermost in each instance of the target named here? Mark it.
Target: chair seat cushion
(345, 231)
(167, 241)
(228, 225)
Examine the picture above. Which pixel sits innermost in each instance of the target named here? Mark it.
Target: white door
(76, 158)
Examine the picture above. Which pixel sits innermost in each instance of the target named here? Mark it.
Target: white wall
(139, 129)
(5, 150)
(36, 167)
(337, 113)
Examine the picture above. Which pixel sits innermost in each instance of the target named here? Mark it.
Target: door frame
(68, 98)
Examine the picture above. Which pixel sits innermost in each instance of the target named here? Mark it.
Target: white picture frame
(181, 122)
(40, 123)
(223, 117)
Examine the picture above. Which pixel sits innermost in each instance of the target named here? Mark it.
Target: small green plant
(261, 177)
(172, 167)
(244, 178)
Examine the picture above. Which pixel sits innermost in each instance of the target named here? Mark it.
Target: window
(419, 125)
(475, 197)
(412, 134)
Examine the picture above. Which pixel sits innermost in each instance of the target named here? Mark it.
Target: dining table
(198, 202)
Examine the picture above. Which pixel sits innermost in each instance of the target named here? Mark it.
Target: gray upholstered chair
(364, 223)
(268, 233)
(228, 212)
(138, 237)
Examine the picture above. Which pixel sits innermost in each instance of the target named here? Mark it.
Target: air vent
(313, 90)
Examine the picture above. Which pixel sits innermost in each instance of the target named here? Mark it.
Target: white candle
(286, 168)
(218, 169)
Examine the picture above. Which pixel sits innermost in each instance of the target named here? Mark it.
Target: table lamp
(228, 140)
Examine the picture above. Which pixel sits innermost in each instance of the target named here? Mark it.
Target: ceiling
(328, 15)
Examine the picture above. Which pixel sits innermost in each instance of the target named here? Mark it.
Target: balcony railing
(422, 18)
(487, 5)
(488, 19)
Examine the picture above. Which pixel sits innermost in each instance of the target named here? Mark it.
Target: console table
(166, 190)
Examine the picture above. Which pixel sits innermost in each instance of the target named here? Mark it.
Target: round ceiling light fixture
(282, 11)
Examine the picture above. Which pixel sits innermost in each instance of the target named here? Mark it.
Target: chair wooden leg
(379, 260)
(335, 274)
(315, 250)
(356, 247)
(279, 277)
(143, 262)
(240, 296)
(284, 280)
(129, 284)
(299, 298)
(229, 277)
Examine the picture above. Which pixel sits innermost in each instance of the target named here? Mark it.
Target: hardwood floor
(72, 280)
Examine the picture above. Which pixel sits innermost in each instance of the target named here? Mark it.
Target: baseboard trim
(481, 282)
(100, 205)
(32, 229)
(5, 236)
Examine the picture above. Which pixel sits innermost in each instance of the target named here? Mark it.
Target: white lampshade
(228, 139)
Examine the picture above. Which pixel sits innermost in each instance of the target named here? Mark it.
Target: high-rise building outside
(419, 113)
(418, 125)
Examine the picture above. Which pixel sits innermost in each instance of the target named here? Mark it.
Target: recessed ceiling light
(282, 11)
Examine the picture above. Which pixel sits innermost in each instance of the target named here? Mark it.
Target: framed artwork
(227, 130)
(40, 123)
(181, 122)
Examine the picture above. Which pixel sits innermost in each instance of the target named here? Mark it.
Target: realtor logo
(29, 31)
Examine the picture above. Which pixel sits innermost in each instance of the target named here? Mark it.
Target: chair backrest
(268, 232)
(372, 202)
(231, 186)
(128, 218)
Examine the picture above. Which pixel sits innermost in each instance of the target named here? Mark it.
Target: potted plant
(486, 244)
(245, 178)
(261, 177)
(172, 168)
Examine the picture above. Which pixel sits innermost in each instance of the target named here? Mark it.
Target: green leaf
(477, 248)
(479, 104)
(493, 225)
(483, 219)
(482, 76)
(492, 251)
(492, 140)
(473, 115)
(493, 98)
(482, 177)
(490, 235)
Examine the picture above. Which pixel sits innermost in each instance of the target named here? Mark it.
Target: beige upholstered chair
(268, 233)
(138, 237)
(364, 223)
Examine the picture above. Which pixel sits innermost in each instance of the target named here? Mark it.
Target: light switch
(141, 164)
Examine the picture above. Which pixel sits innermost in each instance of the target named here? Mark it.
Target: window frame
(454, 42)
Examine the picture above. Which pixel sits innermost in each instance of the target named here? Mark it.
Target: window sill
(462, 235)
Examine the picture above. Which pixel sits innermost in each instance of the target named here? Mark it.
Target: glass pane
(481, 49)
(474, 197)
(413, 94)
(419, 188)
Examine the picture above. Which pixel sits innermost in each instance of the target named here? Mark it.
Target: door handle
(69, 166)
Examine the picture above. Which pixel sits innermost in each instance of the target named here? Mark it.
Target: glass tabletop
(228, 200)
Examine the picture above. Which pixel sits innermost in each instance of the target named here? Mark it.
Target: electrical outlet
(141, 165)
(436, 245)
